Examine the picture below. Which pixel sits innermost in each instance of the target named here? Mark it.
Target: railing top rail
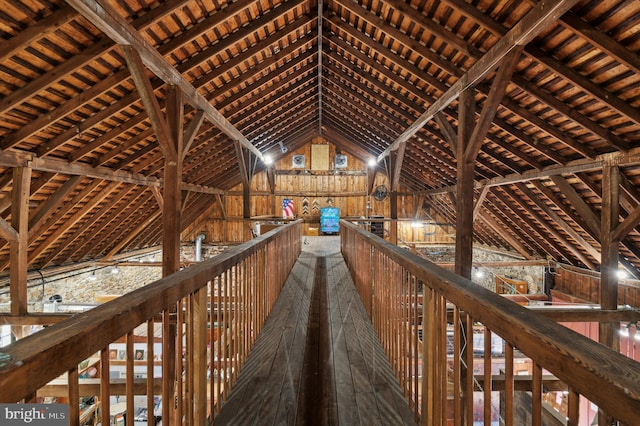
(606, 377)
(59, 348)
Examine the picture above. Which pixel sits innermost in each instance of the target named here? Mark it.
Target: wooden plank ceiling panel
(66, 93)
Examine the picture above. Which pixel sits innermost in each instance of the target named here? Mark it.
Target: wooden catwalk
(318, 360)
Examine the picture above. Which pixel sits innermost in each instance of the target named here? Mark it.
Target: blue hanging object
(329, 218)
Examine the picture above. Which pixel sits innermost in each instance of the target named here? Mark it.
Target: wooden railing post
(200, 313)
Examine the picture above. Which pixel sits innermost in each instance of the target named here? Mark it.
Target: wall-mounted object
(298, 161)
(380, 193)
(340, 161)
(319, 157)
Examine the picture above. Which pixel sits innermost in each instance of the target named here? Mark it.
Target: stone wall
(485, 276)
(82, 286)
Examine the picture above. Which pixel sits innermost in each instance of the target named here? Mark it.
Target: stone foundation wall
(84, 285)
(485, 276)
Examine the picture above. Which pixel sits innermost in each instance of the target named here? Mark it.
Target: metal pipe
(199, 239)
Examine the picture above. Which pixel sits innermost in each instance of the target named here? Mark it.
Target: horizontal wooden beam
(100, 14)
(37, 318)
(54, 165)
(520, 383)
(7, 232)
(90, 387)
(621, 158)
(295, 172)
(564, 314)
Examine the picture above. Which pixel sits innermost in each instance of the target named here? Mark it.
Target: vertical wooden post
(609, 261)
(536, 396)
(464, 187)
(508, 385)
(573, 409)
(18, 248)
(464, 219)
(200, 357)
(172, 179)
(171, 236)
(428, 355)
(246, 172)
(393, 199)
(488, 384)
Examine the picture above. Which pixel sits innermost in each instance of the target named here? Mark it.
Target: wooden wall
(585, 285)
(343, 188)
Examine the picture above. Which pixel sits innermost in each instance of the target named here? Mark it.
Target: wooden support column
(172, 206)
(246, 172)
(609, 219)
(18, 246)
(394, 173)
(172, 194)
(464, 186)
(169, 133)
(609, 255)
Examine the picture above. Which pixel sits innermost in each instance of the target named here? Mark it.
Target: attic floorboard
(351, 383)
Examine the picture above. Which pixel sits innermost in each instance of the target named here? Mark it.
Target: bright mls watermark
(34, 414)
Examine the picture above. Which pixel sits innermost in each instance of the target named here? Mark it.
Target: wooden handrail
(604, 376)
(58, 349)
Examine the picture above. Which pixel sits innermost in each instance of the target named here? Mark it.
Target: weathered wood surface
(361, 387)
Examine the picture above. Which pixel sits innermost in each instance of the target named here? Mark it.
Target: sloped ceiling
(70, 109)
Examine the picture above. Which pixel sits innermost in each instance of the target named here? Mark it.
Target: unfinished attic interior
(434, 207)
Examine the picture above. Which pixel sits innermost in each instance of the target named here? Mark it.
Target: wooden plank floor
(318, 360)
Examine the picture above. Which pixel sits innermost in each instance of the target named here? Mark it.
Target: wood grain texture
(364, 390)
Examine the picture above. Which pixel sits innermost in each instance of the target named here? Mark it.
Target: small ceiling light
(622, 274)
(115, 270)
(268, 160)
(93, 277)
(417, 224)
(478, 273)
(372, 162)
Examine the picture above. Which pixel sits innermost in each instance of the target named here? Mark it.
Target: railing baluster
(536, 396)
(73, 392)
(220, 333)
(105, 405)
(428, 356)
(444, 376)
(181, 357)
(212, 351)
(488, 383)
(508, 385)
(200, 321)
(573, 407)
(457, 368)
(167, 376)
(469, 386)
(150, 369)
(417, 350)
(129, 377)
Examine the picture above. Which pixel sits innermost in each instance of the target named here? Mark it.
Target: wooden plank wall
(344, 188)
(585, 285)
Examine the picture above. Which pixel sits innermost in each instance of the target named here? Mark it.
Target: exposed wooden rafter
(104, 17)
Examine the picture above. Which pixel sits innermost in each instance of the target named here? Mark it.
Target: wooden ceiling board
(65, 93)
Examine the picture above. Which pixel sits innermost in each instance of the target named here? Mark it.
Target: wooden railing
(406, 295)
(205, 320)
